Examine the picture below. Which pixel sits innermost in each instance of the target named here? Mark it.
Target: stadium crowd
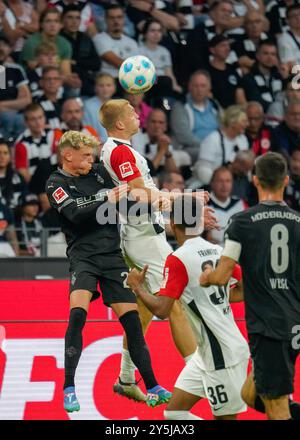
(228, 90)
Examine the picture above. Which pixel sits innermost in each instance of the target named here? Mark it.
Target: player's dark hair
(112, 7)
(292, 8)
(186, 211)
(271, 169)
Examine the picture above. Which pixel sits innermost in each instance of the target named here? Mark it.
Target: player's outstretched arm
(220, 276)
(160, 306)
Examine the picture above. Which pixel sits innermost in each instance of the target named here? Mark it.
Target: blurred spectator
(171, 181)
(19, 21)
(35, 151)
(155, 144)
(139, 11)
(258, 134)
(289, 41)
(52, 98)
(29, 227)
(223, 202)
(276, 14)
(241, 169)
(221, 146)
(12, 185)
(192, 121)
(8, 238)
(112, 46)
(85, 61)
(286, 136)
(160, 56)
(51, 24)
(72, 117)
(16, 95)
(292, 191)
(242, 7)
(225, 79)
(140, 107)
(291, 92)
(245, 47)
(264, 79)
(105, 88)
(46, 56)
(86, 23)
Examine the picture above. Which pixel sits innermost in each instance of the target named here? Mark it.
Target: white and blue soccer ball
(137, 74)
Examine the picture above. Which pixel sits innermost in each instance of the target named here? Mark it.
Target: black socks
(137, 347)
(73, 344)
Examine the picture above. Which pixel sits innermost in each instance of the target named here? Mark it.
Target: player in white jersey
(218, 368)
(143, 242)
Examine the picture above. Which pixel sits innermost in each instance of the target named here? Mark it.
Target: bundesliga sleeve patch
(126, 169)
(60, 195)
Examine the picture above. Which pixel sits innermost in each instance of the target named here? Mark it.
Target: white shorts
(151, 250)
(221, 387)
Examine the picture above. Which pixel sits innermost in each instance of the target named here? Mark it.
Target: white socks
(180, 415)
(127, 368)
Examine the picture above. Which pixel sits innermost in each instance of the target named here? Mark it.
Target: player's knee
(77, 317)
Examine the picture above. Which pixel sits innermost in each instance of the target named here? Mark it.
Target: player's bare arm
(221, 275)
(160, 306)
(237, 293)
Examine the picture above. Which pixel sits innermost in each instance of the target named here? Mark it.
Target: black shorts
(107, 270)
(273, 365)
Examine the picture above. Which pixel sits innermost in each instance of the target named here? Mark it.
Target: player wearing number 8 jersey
(266, 241)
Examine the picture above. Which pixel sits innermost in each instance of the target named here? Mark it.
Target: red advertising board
(31, 363)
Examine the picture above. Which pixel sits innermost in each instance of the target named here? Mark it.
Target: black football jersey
(268, 238)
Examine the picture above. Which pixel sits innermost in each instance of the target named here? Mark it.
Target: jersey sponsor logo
(60, 195)
(126, 169)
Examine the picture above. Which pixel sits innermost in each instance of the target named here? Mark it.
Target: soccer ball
(137, 74)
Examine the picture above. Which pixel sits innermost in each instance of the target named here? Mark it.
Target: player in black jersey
(76, 191)
(265, 240)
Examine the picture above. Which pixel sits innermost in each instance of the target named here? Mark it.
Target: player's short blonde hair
(75, 139)
(110, 111)
(233, 114)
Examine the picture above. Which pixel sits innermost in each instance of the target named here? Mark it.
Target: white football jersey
(125, 164)
(220, 342)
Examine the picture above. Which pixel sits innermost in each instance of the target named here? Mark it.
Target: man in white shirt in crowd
(289, 41)
(113, 46)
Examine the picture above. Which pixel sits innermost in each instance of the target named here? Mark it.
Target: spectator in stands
(289, 41)
(292, 191)
(290, 93)
(20, 20)
(245, 47)
(286, 136)
(86, 23)
(105, 88)
(140, 107)
(52, 98)
(8, 239)
(171, 181)
(29, 227)
(85, 61)
(152, 32)
(223, 202)
(35, 152)
(276, 14)
(221, 146)
(195, 119)
(264, 79)
(258, 134)
(51, 24)
(12, 185)
(155, 144)
(242, 7)
(112, 46)
(72, 117)
(16, 95)
(141, 10)
(46, 56)
(241, 169)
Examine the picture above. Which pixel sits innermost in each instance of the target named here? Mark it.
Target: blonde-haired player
(143, 242)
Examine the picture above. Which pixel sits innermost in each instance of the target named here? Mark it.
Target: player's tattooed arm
(160, 306)
(220, 276)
